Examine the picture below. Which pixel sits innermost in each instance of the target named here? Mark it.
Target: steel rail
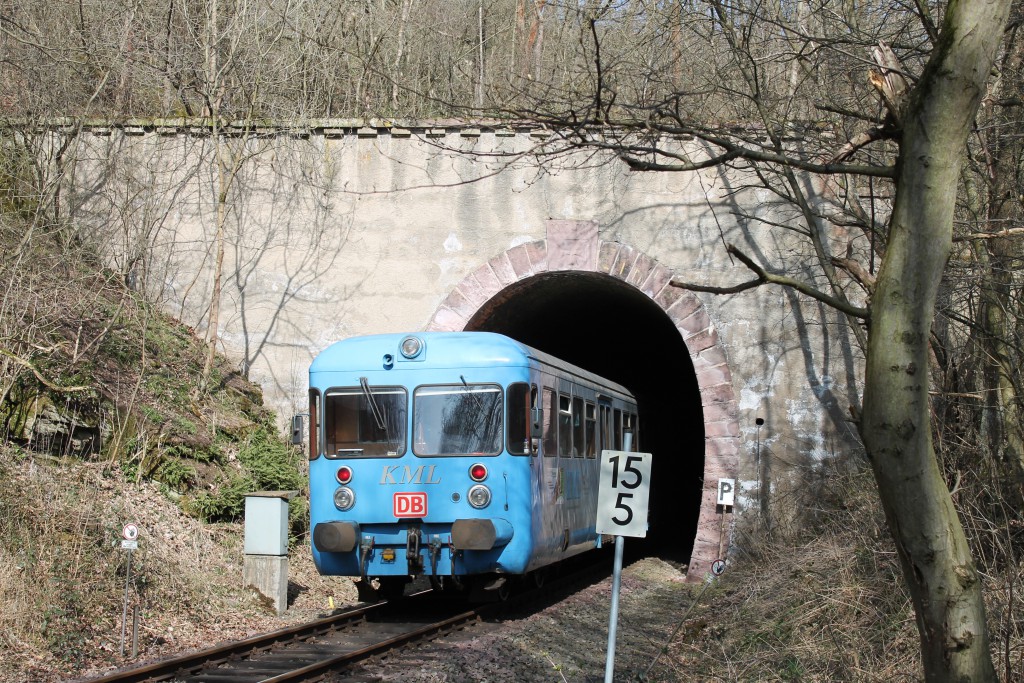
(423, 632)
(167, 669)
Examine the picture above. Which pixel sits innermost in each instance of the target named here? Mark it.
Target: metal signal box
(266, 522)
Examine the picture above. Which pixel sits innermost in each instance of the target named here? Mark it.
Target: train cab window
(360, 423)
(578, 440)
(617, 426)
(550, 437)
(314, 424)
(591, 431)
(564, 425)
(457, 419)
(519, 418)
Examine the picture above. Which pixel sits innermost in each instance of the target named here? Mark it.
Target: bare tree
(915, 147)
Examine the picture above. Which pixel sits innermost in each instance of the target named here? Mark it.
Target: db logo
(410, 505)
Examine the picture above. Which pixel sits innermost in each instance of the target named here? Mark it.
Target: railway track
(311, 650)
(334, 648)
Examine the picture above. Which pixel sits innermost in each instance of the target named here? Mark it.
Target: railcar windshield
(457, 419)
(365, 423)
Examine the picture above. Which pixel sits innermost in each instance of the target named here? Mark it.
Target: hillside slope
(103, 423)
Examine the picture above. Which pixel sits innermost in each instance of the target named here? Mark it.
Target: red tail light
(477, 472)
(344, 474)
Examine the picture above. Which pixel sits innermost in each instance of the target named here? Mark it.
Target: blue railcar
(466, 457)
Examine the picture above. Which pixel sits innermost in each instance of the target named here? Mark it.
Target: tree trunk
(1000, 307)
(934, 555)
(1006, 442)
(223, 185)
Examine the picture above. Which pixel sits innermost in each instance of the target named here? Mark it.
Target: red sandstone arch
(576, 246)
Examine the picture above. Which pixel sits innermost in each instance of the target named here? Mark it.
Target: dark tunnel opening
(601, 324)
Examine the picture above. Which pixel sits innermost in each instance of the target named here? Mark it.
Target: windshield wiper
(378, 414)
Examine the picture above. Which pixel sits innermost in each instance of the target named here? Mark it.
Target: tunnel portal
(610, 328)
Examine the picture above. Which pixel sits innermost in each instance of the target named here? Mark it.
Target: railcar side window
(314, 424)
(564, 425)
(519, 419)
(577, 427)
(356, 427)
(457, 419)
(606, 434)
(550, 423)
(534, 405)
(617, 426)
(591, 429)
(629, 420)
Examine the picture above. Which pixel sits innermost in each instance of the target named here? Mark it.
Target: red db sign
(410, 505)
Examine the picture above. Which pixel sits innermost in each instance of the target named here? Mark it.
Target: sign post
(621, 511)
(129, 542)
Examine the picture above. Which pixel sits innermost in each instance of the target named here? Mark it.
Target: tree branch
(1007, 232)
(35, 371)
(857, 271)
(764, 277)
(862, 140)
(737, 151)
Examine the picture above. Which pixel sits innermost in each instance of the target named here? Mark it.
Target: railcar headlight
(479, 496)
(344, 498)
(411, 347)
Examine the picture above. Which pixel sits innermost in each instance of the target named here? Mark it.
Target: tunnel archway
(610, 309)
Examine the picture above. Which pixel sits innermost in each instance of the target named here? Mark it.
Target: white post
(613, 620)
(124, 610)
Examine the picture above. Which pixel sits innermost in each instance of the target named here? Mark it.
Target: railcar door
(549, 521)
(571, 427)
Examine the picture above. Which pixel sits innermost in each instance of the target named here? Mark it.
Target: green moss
(176, 474)
(152, 414)
(185, 426)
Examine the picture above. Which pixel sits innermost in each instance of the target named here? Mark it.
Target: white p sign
(726, 492)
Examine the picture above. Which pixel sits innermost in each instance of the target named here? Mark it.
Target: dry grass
(825, 604)
(62, 572)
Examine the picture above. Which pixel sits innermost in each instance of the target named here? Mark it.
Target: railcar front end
(409, 471)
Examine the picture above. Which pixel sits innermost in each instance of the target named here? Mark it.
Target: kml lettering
(406, 474)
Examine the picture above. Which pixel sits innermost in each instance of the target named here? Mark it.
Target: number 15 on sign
(623, 492)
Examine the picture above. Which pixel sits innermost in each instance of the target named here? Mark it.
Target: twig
(35, 371)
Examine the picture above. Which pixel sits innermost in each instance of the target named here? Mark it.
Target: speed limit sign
(623, 492)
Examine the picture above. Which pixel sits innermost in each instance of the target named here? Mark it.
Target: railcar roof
(443, 350)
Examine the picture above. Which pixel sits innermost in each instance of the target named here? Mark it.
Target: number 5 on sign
(622, 494)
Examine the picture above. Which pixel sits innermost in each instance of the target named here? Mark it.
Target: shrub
(268, 464)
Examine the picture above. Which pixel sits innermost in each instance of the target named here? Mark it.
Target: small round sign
(130, 532)
(717, 567)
